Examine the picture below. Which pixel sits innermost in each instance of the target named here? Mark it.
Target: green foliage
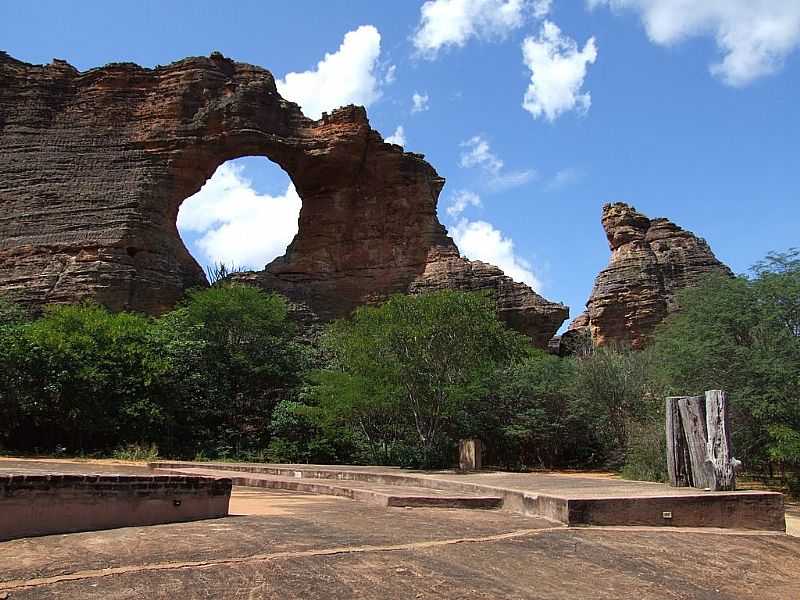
(137, 452)
(202, 378)
(743, 335)
(11, 313)
(224, 376)
(613, 388)
(80, 377)
(402, 372)
(296, 439)
(233, 356)
(530, 418)
(646, 455)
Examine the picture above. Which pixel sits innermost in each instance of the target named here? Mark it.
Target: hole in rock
(244, 216)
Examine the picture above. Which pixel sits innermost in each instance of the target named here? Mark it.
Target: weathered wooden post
(678, 461)
(720, 465)
(699, 452)
(693, 418)
(469, 455)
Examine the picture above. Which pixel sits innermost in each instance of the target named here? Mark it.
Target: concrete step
(375, 493)
(573, 501)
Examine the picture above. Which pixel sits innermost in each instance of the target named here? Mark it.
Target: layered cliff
(94, 166)
(651, 260)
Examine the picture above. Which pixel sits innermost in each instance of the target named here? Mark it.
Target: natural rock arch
(244, 216)
(94, 165)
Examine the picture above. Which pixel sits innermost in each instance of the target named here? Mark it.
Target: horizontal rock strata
(94, 166)
(651, 260)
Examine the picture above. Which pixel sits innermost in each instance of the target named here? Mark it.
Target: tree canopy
(405, 370)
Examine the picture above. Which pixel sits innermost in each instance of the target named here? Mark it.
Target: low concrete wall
(328, 487)
(734, 510)
(729, 510)
(32, 505)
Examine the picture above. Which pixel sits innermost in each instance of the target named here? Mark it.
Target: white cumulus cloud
(391, 75)
(753, 36)
(479, 154)
(558, 69)
(445, 23)
(479, 240)
(236, 224)
(348, 76)
(419, 102)
(564, 178)
(398, 137)
(461, 200)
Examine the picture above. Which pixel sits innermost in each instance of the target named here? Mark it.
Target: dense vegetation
(226, 375)
(743, 335)
(203, 378)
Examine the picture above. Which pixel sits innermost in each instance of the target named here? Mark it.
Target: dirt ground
(287, 545)
(278, 544)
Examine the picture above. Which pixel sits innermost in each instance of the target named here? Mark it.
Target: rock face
(94, 166)
(651, 259)
(575, 341)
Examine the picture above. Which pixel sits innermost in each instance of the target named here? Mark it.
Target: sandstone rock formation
(575, 341)
(94, 166)
(651, 259)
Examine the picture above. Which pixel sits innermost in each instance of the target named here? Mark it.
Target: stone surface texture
(299, 546)
(94, 166)
(651, 260)
(56, 503)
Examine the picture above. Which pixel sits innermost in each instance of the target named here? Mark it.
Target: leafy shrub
(530, 419)
(137, 452)
(646, 456)
(202, 378)
(611, 390)
(402, 372)
(743, 335)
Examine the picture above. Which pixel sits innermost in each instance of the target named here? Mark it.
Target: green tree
(296, 438)
(530, 419)
(204, 378)
(743, 335)
(233, 356)
(12, 356)
(409, 366)
(82, 378)
(613, 388)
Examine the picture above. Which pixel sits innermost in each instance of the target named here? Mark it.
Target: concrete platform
(571, 500)
(35, 502)
(294, 546)
(371, 492)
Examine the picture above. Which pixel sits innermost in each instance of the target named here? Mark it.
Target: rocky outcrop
(651, 260)
(94, 166)
(575, 341)
(521, 309)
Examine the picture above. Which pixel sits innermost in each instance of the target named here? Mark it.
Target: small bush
(137, 452)
(646, 458)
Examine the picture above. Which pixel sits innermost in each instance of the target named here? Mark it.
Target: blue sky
(684, 109)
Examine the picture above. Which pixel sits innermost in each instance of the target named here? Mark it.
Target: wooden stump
(693, 416)
(720, 464)
(699, 452)
(678, 461)
(469, 455)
